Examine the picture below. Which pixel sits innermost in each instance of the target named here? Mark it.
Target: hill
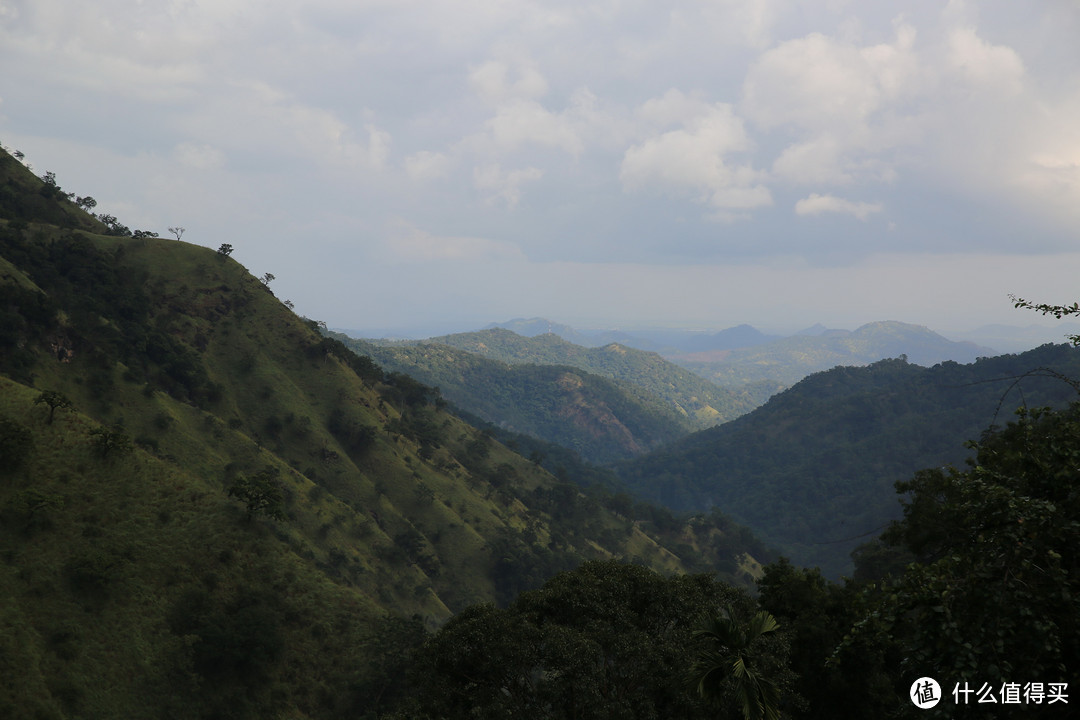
(662, 340)
(600, 419)
(787, 360)
(700, 401)
(210, 510)
(813, 469)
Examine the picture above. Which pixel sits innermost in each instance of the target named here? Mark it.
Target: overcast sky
(425, 164)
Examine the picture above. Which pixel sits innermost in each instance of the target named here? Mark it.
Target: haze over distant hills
(740, 358)
(788, 360)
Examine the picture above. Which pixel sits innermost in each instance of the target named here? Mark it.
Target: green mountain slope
(702, 403)
(788, 360)
(599, 418)
(231, 515)
(813, 469)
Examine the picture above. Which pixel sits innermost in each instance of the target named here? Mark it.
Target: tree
(261, 493)
(267, 279)
(177, 231)
(732, 656)
(225, 250)
(86, 203)
(111, 442)
(994, 586)
(607, 640)
(55, 401)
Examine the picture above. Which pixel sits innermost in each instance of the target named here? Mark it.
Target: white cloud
(425, 165)
(525, 121)
(673, 108)
(695, 158)
(491, 81)
(817, 204)
(983, 64)
(505, 186)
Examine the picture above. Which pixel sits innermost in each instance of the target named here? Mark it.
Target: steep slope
(207, 509)
(813, 469)
(788, 360)
(599, 418)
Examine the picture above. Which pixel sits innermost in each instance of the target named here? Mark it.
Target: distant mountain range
(785, 361)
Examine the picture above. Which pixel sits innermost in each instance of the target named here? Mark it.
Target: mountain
(813, 469)
(599, 418)
(587, 338)
(788, 360)
(664, 341)
(208, 509)
(674, 395)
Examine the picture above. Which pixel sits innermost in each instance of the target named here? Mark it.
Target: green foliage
(817, 615)
(603, 641)
(994, 590)
(225, 250)
(733, 656)
(260, 493)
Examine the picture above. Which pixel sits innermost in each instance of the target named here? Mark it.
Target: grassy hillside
(813, 469)
(210, 510)
(700, 402)
(786, 361)
(600, 419)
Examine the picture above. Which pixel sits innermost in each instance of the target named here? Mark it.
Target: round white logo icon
(925, 693)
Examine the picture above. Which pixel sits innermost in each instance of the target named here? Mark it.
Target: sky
(413, 166)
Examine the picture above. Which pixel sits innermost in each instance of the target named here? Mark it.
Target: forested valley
(211, 507)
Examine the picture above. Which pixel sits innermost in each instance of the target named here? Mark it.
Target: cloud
(695, 158)
(407, 243)
(525, 121)
(505, 186)
(983, 64)
(425, 165)
(491, 81)
(817, 204)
